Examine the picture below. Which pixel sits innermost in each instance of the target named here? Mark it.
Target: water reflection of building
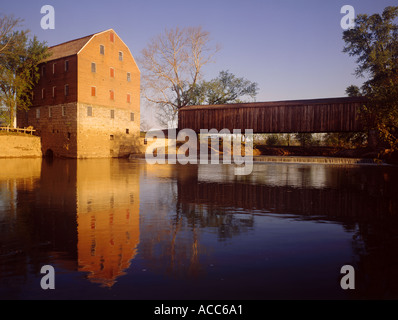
(78, 214)
(107, 218)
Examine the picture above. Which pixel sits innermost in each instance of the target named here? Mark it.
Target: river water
(120, 229)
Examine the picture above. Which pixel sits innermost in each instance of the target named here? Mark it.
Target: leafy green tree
(374, 41)
(226, 88)
(19, 71)
(353, 91)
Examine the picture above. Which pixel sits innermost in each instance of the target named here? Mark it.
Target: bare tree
(7, 25)
(171, 66)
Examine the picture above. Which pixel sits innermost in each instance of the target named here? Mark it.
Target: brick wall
(54, 83)
(61, 119)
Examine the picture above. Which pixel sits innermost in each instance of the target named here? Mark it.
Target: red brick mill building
(87, 101)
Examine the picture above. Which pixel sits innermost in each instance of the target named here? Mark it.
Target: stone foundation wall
(100, 135)
(57, 127)
(20, 146)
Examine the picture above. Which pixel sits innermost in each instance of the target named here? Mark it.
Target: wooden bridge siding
(331, 117)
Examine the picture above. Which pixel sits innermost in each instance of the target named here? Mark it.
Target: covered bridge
(315, 115)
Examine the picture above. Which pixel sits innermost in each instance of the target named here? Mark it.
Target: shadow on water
(107, 222)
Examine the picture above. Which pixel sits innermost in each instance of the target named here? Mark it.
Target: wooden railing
(23, 130)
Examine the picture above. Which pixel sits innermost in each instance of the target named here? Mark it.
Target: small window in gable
(112, 37)
(120, 56)
(102, 49)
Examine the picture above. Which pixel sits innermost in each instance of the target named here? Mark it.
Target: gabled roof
(73, 47)
(68, 48)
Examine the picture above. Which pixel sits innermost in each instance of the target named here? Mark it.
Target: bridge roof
(278, 103)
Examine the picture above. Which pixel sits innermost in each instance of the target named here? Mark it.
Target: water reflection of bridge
(307, 190)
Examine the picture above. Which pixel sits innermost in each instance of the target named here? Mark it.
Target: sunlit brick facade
(87, 101)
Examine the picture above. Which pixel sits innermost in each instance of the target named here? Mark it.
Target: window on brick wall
(66, 89)
(128, 98)
(93, 67)
(112, 72)
(54, 64)
(37, 113)
(132, 116)
(89, 111)
(50, 114)
(102, 49)
(63, 111)
(128, 76)
(66, 65)
(127, 131)
(43, 93)
(120, 56)
(112, 114)
(111, 94)
(54, 91)
(93, 91)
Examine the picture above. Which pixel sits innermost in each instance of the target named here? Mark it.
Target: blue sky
(292, 49)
